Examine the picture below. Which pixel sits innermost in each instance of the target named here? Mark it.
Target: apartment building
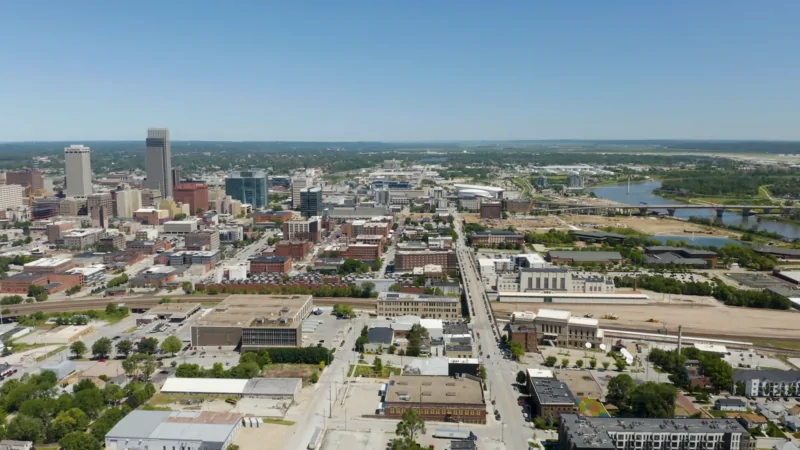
(193, 194)
(113, 241)
(309, 229)
(395, 304)
(101, 208)
(551, 398)
(577, 432)
(766, 383)
(363, 252)
(408, 260)
(297, 249)
(492, 237)
(83, 238)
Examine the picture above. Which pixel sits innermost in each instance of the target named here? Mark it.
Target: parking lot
(754, 360)
(329, 332)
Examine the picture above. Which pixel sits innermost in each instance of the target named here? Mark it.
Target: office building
(577, 432)
(679, 256)
(128, 202)
(45, 207)
(491, 210)
(298, 184)
(78, 168)
(437, 398)
(574, 181)
(254, 322)
(193, 194)
(83, 238)
(202, 240)
(100, 208)
(190, 258)
(31, 179)
(113, 242)
(185, 430)
(280, 182)
(766, 383)
(177, 175)
(158, 162)
(151, 198)
(551, 398)
(395, 304)
(577, 256)
(178, 227)
(11, 196)
(271, 264)
(56, 230)
(248, 187)
(297, 249)
(493, 237)
(311, 202)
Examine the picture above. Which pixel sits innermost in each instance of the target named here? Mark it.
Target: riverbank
(652, 226)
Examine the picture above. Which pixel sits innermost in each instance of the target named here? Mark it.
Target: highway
(501, 373)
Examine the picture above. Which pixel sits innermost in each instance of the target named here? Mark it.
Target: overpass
(746, 210)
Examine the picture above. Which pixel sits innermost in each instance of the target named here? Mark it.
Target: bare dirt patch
(303, 371)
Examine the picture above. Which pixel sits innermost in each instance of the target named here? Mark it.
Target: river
(643, 193)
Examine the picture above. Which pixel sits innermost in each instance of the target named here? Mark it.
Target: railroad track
(98, 303)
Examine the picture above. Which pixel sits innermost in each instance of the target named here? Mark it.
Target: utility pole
(330, 401)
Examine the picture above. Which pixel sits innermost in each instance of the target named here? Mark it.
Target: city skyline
(464, 71)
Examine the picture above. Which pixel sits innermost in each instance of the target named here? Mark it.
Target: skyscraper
(248, 187)
(78, 170)
(100, 209)
(158, 161)
(311, 202)
(298, 184)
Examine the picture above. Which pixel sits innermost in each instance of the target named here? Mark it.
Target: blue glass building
(248, 187)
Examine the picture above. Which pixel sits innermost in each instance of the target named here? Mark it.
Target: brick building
(405, 261)
(551, 398)
(115, 241)
(31, 179)
(437, 398)
(296, 249)
(271, 264)
(52, 282)
(363, 252)
(491, 210)
(310, 229)
(490, 237)
(193, 194)
(524, 335)
(521, 205)
(49, 265)
(146, 247)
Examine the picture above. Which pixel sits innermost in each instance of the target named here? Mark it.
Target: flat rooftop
(256, 311)
(552, 392)
(416, 389)
(49, 262)
(594, 431)
(403, 297)
(174, 309)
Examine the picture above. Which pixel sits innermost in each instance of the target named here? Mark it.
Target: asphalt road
(501, 373)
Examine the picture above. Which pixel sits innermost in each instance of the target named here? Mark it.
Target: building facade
(31, 179)
(271, 264)
(303, 230)
(551, 398)
(491, 210)
(766, 383)
(158, 162)
(437, 398)
(193, 194)
(248, 187)
(494, 237)
(408, 260)
(577, 432)
(78, 169)
(297, 249)
(101, 208)
(202, 240)
(395, 304)
(311, 202)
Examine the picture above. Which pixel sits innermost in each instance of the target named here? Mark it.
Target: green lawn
(277, 421)
(716, 413)
(367, 372)
(791, 345)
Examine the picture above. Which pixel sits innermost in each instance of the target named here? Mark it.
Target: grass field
(303, 371)
(367, 372)
(592, 408)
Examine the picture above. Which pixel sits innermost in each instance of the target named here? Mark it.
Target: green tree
(392, 349)
(606, 364)
(79, 441)
(521, 377)
(550, 361)
(112, 394)
(102, 348)
(78, 348)
(516, 350)
(593, 363)
(620, 389)
(314, 377)
(564, 362)
(171, 345)
(187, 287)
(620, 364)
(124, 347)
(377, 366)
(147, 345)
(410, 427)
(25, 428)
(344, 311)
(579, 363)
(653, 400)
(90, 401)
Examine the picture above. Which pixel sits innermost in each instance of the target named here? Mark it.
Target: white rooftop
(584, 321)
(540, 373)
(556, 314)
(431, 324)
(523, 315)
(49, 262)
(713, 348)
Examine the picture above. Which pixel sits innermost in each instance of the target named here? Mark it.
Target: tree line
(710, 365)
(648, 399)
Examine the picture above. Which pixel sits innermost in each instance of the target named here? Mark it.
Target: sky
(400, 71)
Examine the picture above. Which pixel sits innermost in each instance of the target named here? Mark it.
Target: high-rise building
(298, 184)
(78, 170)
(100, 209)
(151, 198)
(193, 194)
(31, 179)
(158, 162)
(177, 175)
(128, 201)
(248, 187)
(311, 202)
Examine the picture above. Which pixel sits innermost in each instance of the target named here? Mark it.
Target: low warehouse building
(437, 398)
(187, 430)
(275, 388)
(174, 312)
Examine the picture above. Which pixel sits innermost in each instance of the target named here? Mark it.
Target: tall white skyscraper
(298, 184)
(158, 161)
(79, 170)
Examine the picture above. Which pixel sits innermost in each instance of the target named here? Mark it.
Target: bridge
(746, 210)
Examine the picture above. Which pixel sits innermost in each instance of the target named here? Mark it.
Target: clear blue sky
(400, 70)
